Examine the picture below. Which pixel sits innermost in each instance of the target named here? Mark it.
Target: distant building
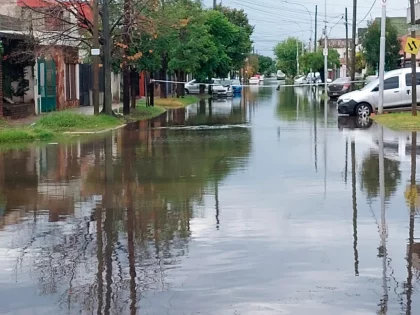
(339, 44)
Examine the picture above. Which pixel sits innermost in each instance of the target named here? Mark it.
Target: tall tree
(285, 52)
(266, 64)
(371, 46)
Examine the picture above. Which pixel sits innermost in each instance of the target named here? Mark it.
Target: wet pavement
(266, 204)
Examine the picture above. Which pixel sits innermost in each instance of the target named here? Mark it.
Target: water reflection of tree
(370, 175)
(108, 260)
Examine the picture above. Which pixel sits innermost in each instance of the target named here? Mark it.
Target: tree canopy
(315, 60)
(285, 52)
(371, 43)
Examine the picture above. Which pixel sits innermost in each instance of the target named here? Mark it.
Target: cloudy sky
(276, 20)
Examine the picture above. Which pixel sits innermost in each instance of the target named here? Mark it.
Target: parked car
(254, 80)
(370, 78)
(222, 88)
(281, 75)
(300, 80)
(236, 87)
(397, 94)
(339, 87)
(193, 87)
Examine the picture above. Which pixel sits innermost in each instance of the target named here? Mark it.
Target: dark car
(339, 87)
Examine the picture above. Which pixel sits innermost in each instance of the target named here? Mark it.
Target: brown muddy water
(259, 205)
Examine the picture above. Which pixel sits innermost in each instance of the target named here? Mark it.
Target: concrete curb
(93, 132)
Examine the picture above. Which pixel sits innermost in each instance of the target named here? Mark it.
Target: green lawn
(173, 102)
(399, 121)
(142, 112)
(70, 121)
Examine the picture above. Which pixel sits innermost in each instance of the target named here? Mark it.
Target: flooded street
(256, 205)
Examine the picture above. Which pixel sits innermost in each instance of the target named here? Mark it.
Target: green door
(47, 89)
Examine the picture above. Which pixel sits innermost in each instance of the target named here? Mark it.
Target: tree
(315, 60)
(371, 43)
(266, 64)
(285, 52)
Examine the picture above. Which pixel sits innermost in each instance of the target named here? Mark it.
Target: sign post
(412, 47)
(382, 59)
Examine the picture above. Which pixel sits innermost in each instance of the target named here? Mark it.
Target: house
(339, 44)
(54, 75)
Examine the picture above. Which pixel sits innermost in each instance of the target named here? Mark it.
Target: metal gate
(86, 83)
(47, 89)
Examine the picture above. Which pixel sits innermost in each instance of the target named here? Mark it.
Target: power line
(374, 2)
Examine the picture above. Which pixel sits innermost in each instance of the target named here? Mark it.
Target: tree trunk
(107, 108)
(152, 91)
(162, 76)
(133, 84)
(179, 86)
(182, 84)
(126, 90)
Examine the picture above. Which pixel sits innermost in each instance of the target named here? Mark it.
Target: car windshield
(371, 85)
(236, 82)
(225, 82)
(342, 80)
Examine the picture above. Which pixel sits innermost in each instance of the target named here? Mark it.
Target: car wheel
(363, 110)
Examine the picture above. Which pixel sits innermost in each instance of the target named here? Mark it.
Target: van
(397, 94)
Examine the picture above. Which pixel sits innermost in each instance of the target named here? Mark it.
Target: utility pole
(347, 43)
(107, 108)
(413, 63)
(325, 53)
(214, 4)
(382, 59)
(353, 45)
(297, 58)
(95, 70)
(316, 27)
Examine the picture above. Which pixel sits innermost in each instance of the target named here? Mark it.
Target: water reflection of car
(339, 87)
(301, 79)
(236, 87)
(348, 122)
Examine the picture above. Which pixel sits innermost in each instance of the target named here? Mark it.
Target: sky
(275, 20)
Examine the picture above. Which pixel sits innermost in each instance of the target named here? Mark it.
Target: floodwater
(266, 204)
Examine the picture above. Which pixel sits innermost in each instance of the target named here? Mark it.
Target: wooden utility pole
(353, 44)
(413, 63)
(214, 4)
(96, 56)
(107, 108)
(316, 27)
(347, 43)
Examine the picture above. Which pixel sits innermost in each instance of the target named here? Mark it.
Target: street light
(310, 18)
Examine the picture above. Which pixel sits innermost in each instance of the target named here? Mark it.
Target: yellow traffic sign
(412, 46)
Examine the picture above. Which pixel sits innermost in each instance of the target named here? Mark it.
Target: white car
(193, 87)
(397, 94)
(300, 80)
(222, 88)
(254, 80)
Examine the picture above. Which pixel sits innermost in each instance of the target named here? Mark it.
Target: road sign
(412, 46)
(414, 27)
(95, 52)
(325, 51)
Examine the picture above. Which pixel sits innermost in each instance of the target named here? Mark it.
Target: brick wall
(16, 111)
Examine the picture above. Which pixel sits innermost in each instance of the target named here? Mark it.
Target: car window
(392, 83)
(408, 79)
